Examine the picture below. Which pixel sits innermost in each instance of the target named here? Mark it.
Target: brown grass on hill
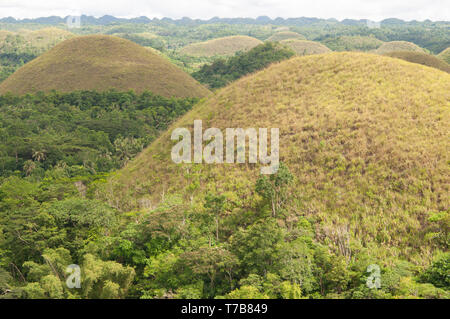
(221, 46)
(285, 35)
(421, 58)
(100, 62)
(365, 136)
(445, 55)
(303, 47)
(40, 40)
(394, 46)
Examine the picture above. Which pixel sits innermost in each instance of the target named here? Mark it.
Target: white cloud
(356, 9)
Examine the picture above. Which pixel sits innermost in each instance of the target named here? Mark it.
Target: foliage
(221, 72)
(221, 46)
(80, 131)
(100, 62)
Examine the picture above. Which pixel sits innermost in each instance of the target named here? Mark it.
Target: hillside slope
(353, 43)
(445, 55)
(365, 136)
(100, 62)
(285, 35)
(421, 58)
(221, 46)
(394, 46)
(303, 47)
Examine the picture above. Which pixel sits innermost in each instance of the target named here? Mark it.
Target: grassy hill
(303, 47)
(100, 63)
(398, 46)
(365, 137)
(34, 41)
(221, 46)
(421, 58)
(353, 43)
(285, 35)
(445, 55)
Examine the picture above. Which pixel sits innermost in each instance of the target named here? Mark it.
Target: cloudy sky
(356, 9)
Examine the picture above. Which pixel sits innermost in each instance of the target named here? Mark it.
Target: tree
(439, 272)
(104, 279)
(274, 189)
(259, 247)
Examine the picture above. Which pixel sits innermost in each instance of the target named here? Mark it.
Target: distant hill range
(101, 62)
(301, 21)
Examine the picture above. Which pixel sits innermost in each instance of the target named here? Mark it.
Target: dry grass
(395, 46)
(41, 40)
(421, 58)
(303, 47)
(285, 35)
(353, 43)
(366, 137)
(222, 46)
(100, 63)
(445, 55)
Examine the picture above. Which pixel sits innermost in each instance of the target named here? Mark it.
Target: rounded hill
(353, 43)
(394, 46)
(304, 47)
(421, 58)
(445, 55)
(285, 35)
(365, 137)
(221, 46)
(100, 62)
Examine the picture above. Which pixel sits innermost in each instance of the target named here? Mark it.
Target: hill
(303, 47)
(36, 41)
(421, 58)
(365, 137)
(221, 46)
(223, 71)
(285, 35)
(445, 55)
(353, 43)
(100, 63)
(394, 46)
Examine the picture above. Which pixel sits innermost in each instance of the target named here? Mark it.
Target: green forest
(191, 232)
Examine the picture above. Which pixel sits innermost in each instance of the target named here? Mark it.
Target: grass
(421, 58)
(303, 47)
(365, 136)
(395, 46)
(353, 43)
(100, 62)
(285, 35)
(37, 41)
(221, 46)
(445, 55)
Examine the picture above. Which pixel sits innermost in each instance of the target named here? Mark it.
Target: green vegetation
(445, 55)
(223, 71)
(102, 63)
(421, 58)
(396, 46)
(285, 35)
(82, 132)
(86, 177)
(16, 48)
(221, 46)
(350, 198)
(303, 47)
(353, 43)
